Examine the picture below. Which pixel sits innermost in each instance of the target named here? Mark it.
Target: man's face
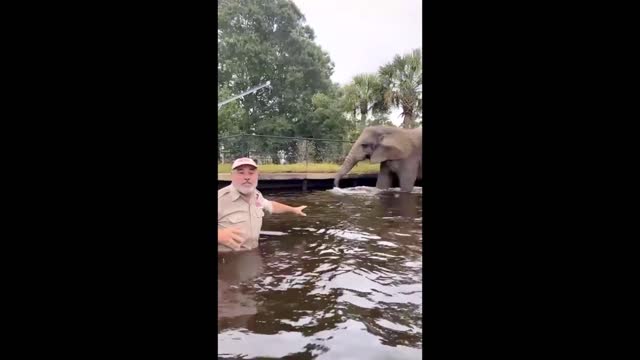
(245, 179)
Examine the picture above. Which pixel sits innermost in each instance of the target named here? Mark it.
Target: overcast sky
(362, 35)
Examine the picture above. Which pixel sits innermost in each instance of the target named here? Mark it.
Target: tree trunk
(363, 116)
(409, 121)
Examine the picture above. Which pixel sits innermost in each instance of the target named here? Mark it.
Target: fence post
(306, 155)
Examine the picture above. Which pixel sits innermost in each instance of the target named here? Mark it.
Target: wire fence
(267, 149)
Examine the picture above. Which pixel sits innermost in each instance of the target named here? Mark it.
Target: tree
(381, 119)
(327, 119)
(365, 95)
(231, 117)
(261, 41)
(402, 82)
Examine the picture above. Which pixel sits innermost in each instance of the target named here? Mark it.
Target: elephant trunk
(348, 164)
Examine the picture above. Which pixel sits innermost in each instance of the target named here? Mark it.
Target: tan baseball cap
(243, 161)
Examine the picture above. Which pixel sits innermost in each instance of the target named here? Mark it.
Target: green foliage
(402, 80)
(381, 119)
(231, 116)
(261, 41)
(327, 119)
(364, 95)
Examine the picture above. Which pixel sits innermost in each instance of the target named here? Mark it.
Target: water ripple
(329, 285)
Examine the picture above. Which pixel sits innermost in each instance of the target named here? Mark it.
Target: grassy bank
(363, 167)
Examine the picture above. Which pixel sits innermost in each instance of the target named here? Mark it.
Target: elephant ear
(392, 146)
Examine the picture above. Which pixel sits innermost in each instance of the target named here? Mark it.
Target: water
(345, 282)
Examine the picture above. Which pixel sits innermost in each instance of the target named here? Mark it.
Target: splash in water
(369, 191)
(342, 283)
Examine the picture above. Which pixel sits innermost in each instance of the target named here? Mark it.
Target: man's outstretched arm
(279, 208)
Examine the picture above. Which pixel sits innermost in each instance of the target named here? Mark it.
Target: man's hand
(231, 237)
(279, 208)
(298, 210)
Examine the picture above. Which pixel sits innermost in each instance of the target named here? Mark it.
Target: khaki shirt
(234, 211)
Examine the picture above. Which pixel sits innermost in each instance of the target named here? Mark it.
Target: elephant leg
(384, 177)
(407, 178)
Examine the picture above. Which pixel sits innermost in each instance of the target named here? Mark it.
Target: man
(241, 208)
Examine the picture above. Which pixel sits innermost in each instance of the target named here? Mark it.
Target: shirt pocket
(237, 219)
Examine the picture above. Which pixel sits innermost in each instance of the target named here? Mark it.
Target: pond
(344, 282)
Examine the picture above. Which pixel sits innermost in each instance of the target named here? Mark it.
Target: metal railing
(269, 149)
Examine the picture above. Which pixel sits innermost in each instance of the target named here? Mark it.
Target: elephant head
(378, 144)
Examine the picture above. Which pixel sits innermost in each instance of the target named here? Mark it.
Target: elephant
(399, 152)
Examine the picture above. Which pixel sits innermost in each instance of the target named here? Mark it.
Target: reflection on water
(345, 282)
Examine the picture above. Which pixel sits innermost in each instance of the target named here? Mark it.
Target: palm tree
(364, 94)
(402, 82)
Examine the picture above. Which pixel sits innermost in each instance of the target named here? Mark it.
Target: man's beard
(244, 189)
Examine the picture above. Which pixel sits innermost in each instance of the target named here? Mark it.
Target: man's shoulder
(224, 191)
(259, 194)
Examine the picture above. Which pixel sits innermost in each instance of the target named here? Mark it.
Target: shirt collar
(235, 194)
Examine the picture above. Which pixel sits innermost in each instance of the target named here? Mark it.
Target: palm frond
(402, 82)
